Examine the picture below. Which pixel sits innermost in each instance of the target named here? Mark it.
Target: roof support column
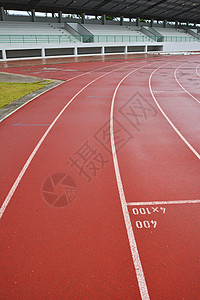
(103, 19)
(164, 23)
(83, 18)
(138, 21)
(33, 15)
(176, 24)
(151, 24)
(2, 14)
(121, 20)
(60, 17)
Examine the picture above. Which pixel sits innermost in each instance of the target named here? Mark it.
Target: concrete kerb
(15, 105)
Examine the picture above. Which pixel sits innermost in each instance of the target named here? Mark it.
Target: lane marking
(132, 241)
(98, 97)
(175, 75)
(89, 72)
(169, 91)
(167, 118)
(72, 78)
(25, 167)
(197, 72)
(15, 110)
(21, 124)
(163, 202)
(92, 71)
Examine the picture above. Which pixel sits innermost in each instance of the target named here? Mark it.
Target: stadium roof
(172, 10)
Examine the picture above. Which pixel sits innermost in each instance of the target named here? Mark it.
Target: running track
(100, 183)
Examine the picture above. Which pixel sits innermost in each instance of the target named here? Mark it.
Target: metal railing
(115, 38)
(47, 39)
(180, 39)
(152, 33)
(35, 39)
(192, 33)
(24, 39)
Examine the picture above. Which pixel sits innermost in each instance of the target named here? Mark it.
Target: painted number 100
(141, 211)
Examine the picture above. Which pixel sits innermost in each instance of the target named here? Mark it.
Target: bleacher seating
(34, 32)
(42, 32)
(116, 33)
(171, 34)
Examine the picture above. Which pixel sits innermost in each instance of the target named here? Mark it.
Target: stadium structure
(100, 149)
(97, 27)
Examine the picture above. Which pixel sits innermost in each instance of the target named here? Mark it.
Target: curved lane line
(72, 78)
(175, 75)
(25, 167)
(133, 245)
(167, 118)
(197, 72)
(132, 242)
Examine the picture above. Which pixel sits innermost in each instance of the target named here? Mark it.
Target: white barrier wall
(46, 50)
(190, 46)
(53, 50)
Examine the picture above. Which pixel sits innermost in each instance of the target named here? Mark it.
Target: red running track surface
(100, 183)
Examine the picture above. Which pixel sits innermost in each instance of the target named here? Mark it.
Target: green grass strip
(11, 91)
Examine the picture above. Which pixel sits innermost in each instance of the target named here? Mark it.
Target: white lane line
(168, 91)
(175, 75)
(163, 202)
(72, 78)
(166, 117)
(197, 72)
(12, 112)
(25, 167)
(161, 92)
(89, 72)
(133, 246)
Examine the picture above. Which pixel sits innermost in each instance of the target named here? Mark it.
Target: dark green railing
(180, 39)
(115, 38)
(35, 39)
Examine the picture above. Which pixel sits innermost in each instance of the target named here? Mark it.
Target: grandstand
(113, 33)
(100, 149)
(175, 35)
(34, 36)
(16, 32)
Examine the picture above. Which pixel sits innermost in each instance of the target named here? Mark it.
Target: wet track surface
(100, 182)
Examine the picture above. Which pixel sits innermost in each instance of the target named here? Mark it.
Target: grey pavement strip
(19, 78)
(13, 106)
